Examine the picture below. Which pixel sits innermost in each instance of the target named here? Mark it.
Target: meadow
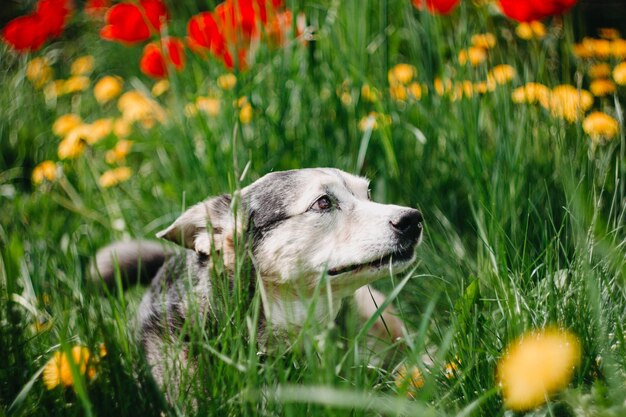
(508, 137)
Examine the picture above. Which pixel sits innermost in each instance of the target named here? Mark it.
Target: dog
(303, 229)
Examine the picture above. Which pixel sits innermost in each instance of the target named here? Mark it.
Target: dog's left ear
(202, 227)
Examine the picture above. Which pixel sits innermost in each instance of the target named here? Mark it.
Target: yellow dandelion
(102, 350)
(38, 72)
(600, 126)
(618, 48)
(114, 176)
(107, 88)
(346, 98)
(75, 84)
(451, 370)
(480, 87)
(373, 121)
(474, 55)
(484, 40)
(583, 50)
(524, 31)
(415, 90)
(245, 114)
(121, 128)
(398, 92)
(409, 381)
(567, 102)
(401, 74)
(136, 107)
(66, 123)
(602, 87)
(538, 28)
(501, 74)
(619, 73)
(608, 33)
(227, 81)
(82, 65)
(209, 105)
(72, 146)
(602, 70)
(160, 87)
(58, 370)
(46, 170)
(369, 93)
(119, 152)
(537, 365)
(442, 87)
(601, 48)
(98, 130)
(531, 93)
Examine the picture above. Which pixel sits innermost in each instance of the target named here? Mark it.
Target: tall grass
(524, 223)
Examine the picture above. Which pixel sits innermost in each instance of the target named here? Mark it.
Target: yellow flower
(369, 93)
(46, 170)
(474, 55)
(75, 84)
(373, 121)
(121, 128)
(608, 33)
(537, 365)
(209, 105)
(602, 87)
(531, 93)
(619, 73)
(58, 371)
(107, 88)
(442, 87)
(245, 114)
(602, 70)
(401, 74)
(114, 176)
(484, 40)
(618, 48)
(160, 87)
(600, 126)
(415, 90)
(346, 98)
(398, 92)
(567, 102)
(73, 145)
(137, 107)
(98, 130)
(119, 152)
(531, 30)
(502, 74)
(227, 81)
(82, 65)
(409, 381)
(64, 124)
(38, 72)
(451, 369)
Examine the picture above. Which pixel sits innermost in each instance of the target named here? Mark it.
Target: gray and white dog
(306, 228)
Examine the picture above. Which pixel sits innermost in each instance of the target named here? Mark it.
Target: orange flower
(58, 370)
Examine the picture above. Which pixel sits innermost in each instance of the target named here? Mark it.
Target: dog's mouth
(398, 256)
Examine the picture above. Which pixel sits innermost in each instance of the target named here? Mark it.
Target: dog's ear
(202, 226)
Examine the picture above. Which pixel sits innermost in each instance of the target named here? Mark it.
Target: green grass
(524, 222)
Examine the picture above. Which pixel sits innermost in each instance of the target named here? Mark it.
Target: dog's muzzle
(408, 226)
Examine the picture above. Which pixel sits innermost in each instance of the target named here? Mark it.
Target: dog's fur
(301, 226)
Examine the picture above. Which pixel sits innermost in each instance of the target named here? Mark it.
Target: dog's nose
(408, 224)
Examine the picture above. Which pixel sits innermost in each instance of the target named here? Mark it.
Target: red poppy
(279, 27)
(130, 23)
(204, 36)
(437, 6)
(529, 10)
(153, 62)
(30, 32)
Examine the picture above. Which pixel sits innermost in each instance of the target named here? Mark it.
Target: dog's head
(304, 223)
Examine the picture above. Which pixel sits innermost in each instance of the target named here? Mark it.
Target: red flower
(529, 10)
(437, 6)
(30, 32)
(131, 23)
(154, 64)
(204, 36)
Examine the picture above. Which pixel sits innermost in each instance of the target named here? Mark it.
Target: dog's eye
(323, 203)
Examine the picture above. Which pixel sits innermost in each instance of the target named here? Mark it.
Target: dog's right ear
(203, 226)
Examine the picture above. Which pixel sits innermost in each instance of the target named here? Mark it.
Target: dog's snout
(408, 224)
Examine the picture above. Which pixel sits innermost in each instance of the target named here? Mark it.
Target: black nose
(408, 225)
